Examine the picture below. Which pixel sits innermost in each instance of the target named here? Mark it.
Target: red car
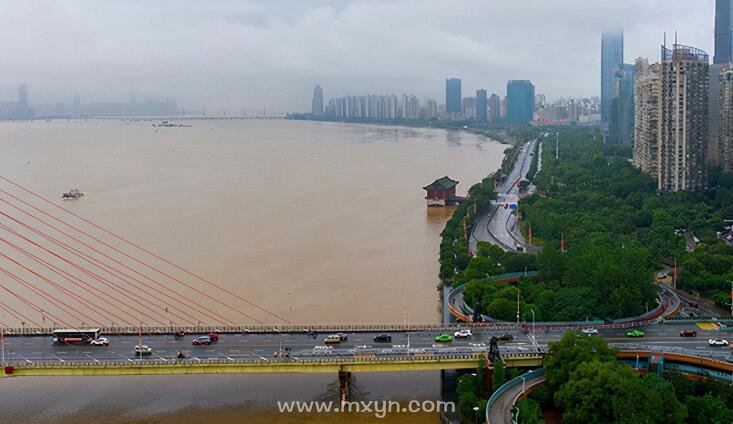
(688, 333)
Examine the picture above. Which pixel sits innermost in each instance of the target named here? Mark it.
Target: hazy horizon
(254, 54)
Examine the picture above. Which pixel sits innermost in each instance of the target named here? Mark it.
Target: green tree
(529, 412)
(488, 250)
(607, 392)
(551, 264)
(571, 351)
(481, 389)
(708, 409)
(499, 377)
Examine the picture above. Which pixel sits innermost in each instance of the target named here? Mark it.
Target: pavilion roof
(441, 184)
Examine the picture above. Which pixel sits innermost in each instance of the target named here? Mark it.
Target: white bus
(75, 335)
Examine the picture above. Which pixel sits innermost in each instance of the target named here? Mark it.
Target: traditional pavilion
(442, 192)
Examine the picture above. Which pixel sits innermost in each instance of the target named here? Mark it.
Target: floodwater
(315, 222)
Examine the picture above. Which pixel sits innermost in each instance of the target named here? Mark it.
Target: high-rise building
(519, 101)
(671, 134)
(482, 107)
(380, 107)
(725, 120)
(713, 111)
(430, 109)
(502, 109)
(612, 57)
(540, 101)
(621, 117)
(723, 56)
(572, 111)
(317, 103)
(647, 118)
(453, 95)
(469, 107)
(723, 31)
(494, 108)
(685, 85)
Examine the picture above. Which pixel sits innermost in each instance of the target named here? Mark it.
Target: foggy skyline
(255, 54)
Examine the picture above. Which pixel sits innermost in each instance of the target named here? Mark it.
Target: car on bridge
(141, 350)
(718, 342)
(102, 341)
(590, 331)
(505, 338)
(202, 340)
(383, 338)
(463, 334)
(332, 339)
(322, 350)
(688, 333)
(444, 338)
(635, 333)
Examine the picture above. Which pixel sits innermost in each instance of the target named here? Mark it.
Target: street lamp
(475, 414)
(140, 340)
(533, 326)
(524, 380)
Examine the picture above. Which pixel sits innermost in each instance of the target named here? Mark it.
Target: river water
(318, 222)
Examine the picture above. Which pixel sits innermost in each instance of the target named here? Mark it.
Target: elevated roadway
(300, 352)
(499, 407)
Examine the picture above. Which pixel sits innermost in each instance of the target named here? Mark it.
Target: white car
(590, 331)
(322, 350)
(718, 342)
(102, 341)
(462, 334)
(143, 350)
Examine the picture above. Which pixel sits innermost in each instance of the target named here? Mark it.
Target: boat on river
(72, 194)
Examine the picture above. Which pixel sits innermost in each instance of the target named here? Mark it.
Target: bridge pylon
(344, 380)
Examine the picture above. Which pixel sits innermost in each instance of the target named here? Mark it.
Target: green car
(444, 338)
(635, 333)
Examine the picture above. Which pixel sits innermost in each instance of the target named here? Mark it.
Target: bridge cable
(32, 306)
(99, 279)
(167, 261)
(17, 314)
(110, 284)
(83, 256)
(45, 295)
(191, 303)
(79, 282)
(61, 288)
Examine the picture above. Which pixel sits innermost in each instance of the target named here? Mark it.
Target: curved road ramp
(500, 405)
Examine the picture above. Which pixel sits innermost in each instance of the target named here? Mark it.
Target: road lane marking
(62, 360)
(128, 359)
(26, 359)
(261, 357)
(90, 357)
(225, 356)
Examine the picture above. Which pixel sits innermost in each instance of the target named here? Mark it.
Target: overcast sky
(250, 54)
